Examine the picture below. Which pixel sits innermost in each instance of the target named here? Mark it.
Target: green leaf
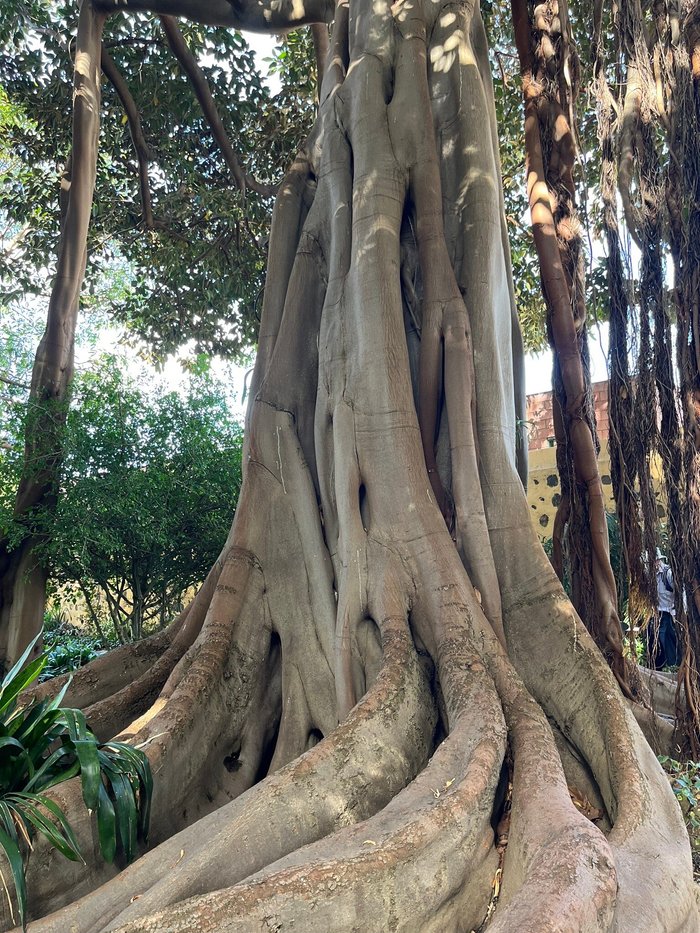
(125, 811)
(106, 826)
(16, 761)
(26, 806)
(8, 822)
(139, 762)
(14, 857)
(24, 721)
(66, 828)
(45, 777)
(14, 671)
(38, 732)
(12, 688)
(60, 777)
(86, 751)
(55, 703)
(85, 745)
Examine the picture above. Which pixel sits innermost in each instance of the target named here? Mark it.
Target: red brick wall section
(539, 416)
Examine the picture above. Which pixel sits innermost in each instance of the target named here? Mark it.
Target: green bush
(685, 781)
(68, 654)
(66, 647)
(43, 744)
(148, 488)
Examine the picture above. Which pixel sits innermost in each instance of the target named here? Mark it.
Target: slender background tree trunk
(23, 573)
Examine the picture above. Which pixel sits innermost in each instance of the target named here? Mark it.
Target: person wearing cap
(662, 643)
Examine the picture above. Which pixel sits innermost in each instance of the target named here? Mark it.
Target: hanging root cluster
(550, 74)
(382, 664)
(650, 135)
(629, 426)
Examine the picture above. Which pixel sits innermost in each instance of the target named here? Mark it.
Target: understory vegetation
(67, 647)
(685, 781)
(43, 745)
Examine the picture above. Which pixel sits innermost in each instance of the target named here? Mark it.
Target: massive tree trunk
(377, 711)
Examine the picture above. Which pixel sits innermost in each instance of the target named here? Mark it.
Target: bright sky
(538, 366)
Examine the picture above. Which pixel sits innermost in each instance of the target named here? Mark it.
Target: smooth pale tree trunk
(23, 574)
(376, 712)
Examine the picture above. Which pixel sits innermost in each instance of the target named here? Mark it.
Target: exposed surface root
(358, 769)
(423, 838)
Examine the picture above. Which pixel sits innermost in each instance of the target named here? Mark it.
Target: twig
(14, 383)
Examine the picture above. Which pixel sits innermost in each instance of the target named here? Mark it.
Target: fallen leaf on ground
(583, 804)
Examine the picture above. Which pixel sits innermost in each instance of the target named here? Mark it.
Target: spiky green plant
(43, 744)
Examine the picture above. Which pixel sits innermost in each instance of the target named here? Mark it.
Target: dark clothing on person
(662, 643)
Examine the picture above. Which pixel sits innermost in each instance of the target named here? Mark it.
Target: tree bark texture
(23, 575)
(678, 70)
(549, 70)
(380, 709)
(629, 467)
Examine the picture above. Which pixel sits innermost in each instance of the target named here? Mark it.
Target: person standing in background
(662, 643)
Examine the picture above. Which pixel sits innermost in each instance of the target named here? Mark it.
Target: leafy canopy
(198, 274)
(148, 488)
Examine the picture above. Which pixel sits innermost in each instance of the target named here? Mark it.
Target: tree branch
(16, 240)
(203, 94)
(251, 15)
(143, 153)
(319, 33)
(14, 383)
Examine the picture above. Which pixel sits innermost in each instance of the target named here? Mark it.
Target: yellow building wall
(544, 489)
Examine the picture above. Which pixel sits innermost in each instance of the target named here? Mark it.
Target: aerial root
(558, 870)
(557, 863)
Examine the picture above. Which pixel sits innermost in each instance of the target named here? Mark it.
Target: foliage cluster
(148, 487)
(685, 781)
(42, 745)
(196, 273)
(67, 647)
